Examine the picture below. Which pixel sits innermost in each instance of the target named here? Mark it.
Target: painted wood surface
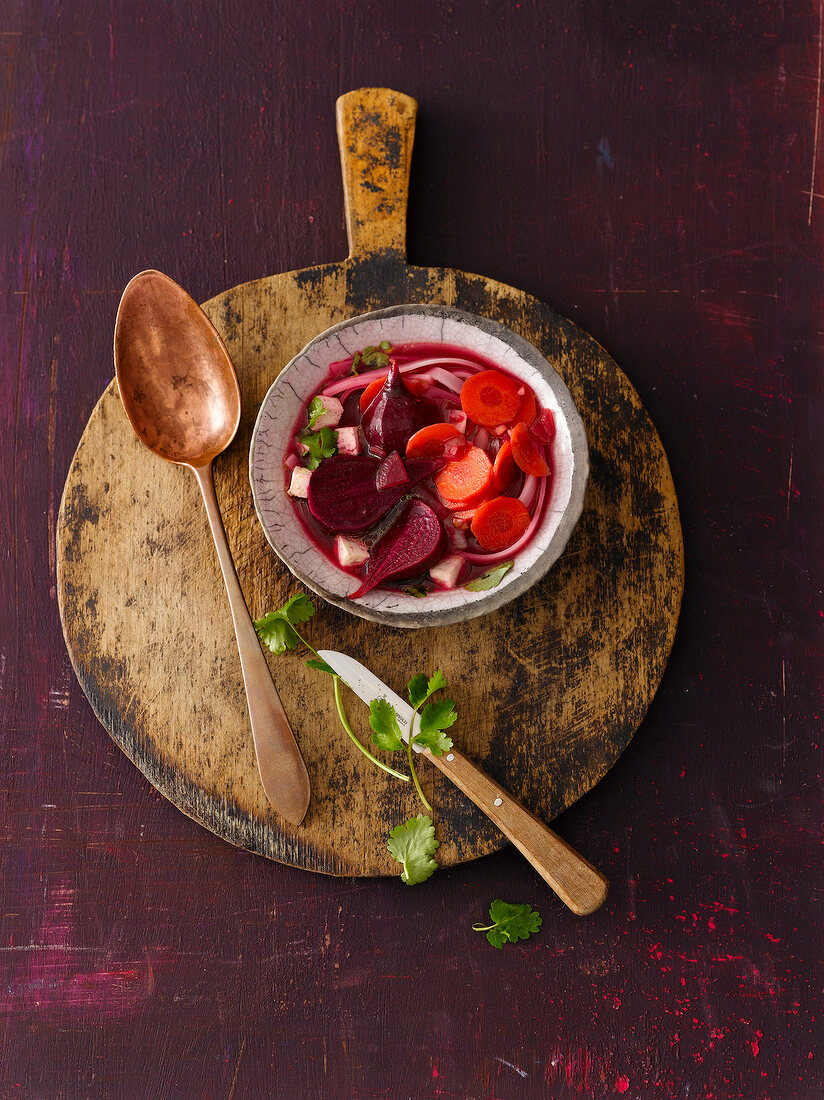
(549, 689)
(654, 173)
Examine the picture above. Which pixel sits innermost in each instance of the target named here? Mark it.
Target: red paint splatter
(621, 1082)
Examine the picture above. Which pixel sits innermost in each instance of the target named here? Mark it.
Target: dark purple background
(652, 170)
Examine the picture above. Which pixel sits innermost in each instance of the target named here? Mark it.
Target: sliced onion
(440, 361)
(446, 378)
(437, 394)
(516, 547)
(360, 381)
(456, 537)
(528, 491)
(481, 438)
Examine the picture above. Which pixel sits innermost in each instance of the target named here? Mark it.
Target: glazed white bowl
(406, 324)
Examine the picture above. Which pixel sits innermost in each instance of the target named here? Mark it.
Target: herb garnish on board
(413, 843)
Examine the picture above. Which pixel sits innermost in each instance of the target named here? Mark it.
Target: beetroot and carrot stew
(420, 467)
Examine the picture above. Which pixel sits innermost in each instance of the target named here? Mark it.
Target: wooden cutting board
(549, 690)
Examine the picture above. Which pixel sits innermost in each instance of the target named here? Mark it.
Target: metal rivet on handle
(451, 756)
(499, 802)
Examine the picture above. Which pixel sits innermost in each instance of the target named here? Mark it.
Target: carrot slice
(467, 478)
(500, 522)
(433, 440)
(529, 407)
(504, 468)
(490, 398)
(370, 393)
(528, 452)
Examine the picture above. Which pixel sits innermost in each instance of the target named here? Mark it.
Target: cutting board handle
(376, 130)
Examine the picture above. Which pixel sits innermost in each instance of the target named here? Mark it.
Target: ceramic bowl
(405, 324)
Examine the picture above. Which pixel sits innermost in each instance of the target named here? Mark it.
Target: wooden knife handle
(576, 882)
(376, 130)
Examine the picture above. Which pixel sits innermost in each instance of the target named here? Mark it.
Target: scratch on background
(817, 108)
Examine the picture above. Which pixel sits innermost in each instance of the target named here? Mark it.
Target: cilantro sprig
(413, 843)
(319, 445)
(372, 358)
(509, 923)
(435, 717)
(277, 630)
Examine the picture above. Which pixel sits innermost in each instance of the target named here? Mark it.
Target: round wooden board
(549, 690)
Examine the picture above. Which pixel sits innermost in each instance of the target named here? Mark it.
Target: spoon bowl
(176, 380)
(181, 395)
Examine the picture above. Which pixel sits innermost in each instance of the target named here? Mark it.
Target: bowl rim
(511, 587)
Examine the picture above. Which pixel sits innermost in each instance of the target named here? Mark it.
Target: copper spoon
(181, 394)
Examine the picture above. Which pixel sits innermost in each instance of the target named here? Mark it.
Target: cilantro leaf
(316, 410)
(320, 445)
(417, 689)
(321, 666)
(276, 632)
(510, 923)
(415, 592)
(435, 740)
(436, 681)
(384, 722)
(438, 714)
(276, 628)
(491, 579)
(372, 358)
(297, 609)
(413, 844)
(420, 689)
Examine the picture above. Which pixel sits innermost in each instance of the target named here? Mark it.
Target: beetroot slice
(409, 547)
(345, 498)
(391, 472)
(394, 414)
(419, 468)
(343, 495)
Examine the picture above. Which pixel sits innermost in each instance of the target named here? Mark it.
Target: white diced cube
(447, 571)
(349, 441)
(331, 417)
(299, 485)
(350, 551)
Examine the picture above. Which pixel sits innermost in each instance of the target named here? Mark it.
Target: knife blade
(367, 686)
(577, 883)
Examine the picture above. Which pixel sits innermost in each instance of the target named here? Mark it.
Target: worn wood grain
(550, 689)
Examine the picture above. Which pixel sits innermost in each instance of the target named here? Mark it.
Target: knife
(576, 882)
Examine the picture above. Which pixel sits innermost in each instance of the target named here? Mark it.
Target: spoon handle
(282, 770)
(578, 884)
